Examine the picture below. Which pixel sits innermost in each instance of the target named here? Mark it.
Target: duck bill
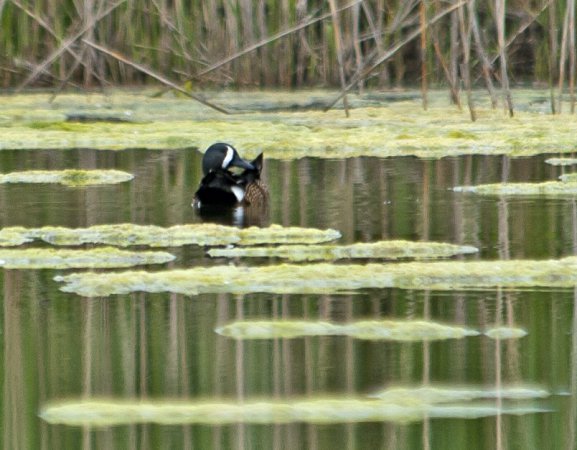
(239, 162)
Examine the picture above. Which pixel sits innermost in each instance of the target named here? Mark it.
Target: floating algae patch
(47, 258)
(561, 161)
(375, 127)
(325, 278)
(449, 394)
(544, 188)
(394, 330)
(277, 234)
(382, 249)
(109, 412)
(125, 235)
(505, 333)
(569, 177)
(71, 177)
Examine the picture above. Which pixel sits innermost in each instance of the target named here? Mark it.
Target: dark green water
(57, 345)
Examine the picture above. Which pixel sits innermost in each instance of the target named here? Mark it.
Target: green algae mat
(561, 161)
(382, 128)
(546, 188)
(397, 249)
(124, 235)
(43, 258)
(70, 177)
(392, 330)
(398, 405)
(324, 278)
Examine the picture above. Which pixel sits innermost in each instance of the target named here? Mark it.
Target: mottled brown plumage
(255, 190)
(256, 193)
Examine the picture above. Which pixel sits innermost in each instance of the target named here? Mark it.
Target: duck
(221, 187)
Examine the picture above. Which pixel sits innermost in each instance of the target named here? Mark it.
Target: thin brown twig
(153, 74)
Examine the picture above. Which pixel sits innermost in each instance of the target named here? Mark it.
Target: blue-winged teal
(219, 186)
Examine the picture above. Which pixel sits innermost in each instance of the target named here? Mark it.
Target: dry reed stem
(500, 13)
(562, 58)
(552, 55)
(269, 40)
(66, 45)
(423, 25)
(339, 49)
(465, 33)
(571, 9)
(486, 66)
(392, 51)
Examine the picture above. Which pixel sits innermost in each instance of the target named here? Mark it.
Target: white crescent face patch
(228, 157)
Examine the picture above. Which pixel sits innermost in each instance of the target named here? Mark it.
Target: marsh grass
(378, 43)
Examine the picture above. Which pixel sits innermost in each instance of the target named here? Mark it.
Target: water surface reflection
(163, 346)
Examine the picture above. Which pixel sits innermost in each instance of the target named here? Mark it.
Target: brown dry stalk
(423, 25)
(500, 13)
(465, 33)
(339, 48)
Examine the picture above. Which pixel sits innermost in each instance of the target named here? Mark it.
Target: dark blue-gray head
(222, 156)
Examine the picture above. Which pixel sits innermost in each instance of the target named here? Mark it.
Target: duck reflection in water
(227, 197)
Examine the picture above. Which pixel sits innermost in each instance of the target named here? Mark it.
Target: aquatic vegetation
(400, 406)
(69, 177)
(569, 177)
(561, 161)
(285, 235)
(47, 258)
(382, 249)
(125, 235)
(505, 333)
(544, 188)
(375, 128)
(448, 394)
(330, 278)
(394, 330)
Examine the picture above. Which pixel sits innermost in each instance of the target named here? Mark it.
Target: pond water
(162, 347)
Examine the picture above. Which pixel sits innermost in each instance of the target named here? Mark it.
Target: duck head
(222, 156)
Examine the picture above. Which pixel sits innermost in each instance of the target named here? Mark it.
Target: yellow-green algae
(404, 405)
(568, 177)
(69, 177)
(125, 235)
(381, 127)
(447, 394)
(108, 257)
(561, 161)
(382, 249)
(394, 330)
(544, 188)
(505, 333)
(330, 278)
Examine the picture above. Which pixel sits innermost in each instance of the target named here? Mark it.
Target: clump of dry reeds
(348, 44)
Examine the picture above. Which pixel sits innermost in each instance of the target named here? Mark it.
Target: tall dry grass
(460, 44)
